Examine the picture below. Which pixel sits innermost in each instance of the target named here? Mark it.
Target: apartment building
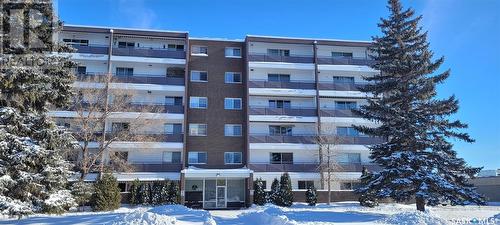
(232, 111)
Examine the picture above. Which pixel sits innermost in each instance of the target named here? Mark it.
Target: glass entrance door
(221, 197)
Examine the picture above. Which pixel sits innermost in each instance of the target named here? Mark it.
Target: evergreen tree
(107, 193)
(173, 193)
(417, 159)
(311, 196)
(82, 192)
(275, 192)
(135, 194)
(259, 192)
(32, 167)
(165, 198)
(366, 198)
(156, 189)
(285, 196)
(145, 193)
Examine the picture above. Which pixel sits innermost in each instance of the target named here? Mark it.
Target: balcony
(357, 167)
(326, 112)
(124, 136)
(262, 57)
(298, 139)
(346, 61)
(294, 111)
(296, 167)
(136, 78)
(91, 49)
(149, 52)
(341, 86)
(358, 140)
(282, 84)
(156, 167)
(145, 107)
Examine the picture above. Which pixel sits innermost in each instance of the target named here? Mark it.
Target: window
(232, 130)
(232, 103)
(175, 72)
(345, 105)
(119, 127)
(199, 76)
(346, 158)
(277, 130)
(281, 158)
(233, 52)
(198, 102)
(172, 157)
(349, 185)
(170, 100)
(347, 131)
(232, 157)
(278, 52)
(279, 104)
(278, 77)
(342, 54)
(123, 44)
(78, 42)
(124, 71)
(349, 80)
(197, 157)
(232, 77)
(81, 70)
(305, 184)
(173, 128)
(197, 129)
(199, 50)
(175, 47)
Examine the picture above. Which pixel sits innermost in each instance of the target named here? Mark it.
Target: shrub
(275, 191)
(135, 194)
(173, 193)
(82, 192)
(259, 194)
(107, 194)
(311, 196)
(285, 196)
(59, 202)
(145, 193)
(156, 189)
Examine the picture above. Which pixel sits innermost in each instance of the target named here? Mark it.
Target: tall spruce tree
(33, 169)
(418, 161)
(259, 193)
(285, 197)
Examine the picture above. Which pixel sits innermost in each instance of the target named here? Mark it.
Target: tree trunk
(329, 188)
(420, 204)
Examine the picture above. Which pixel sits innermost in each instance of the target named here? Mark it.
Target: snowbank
(414, 218)
(268, 214)
(166, 215)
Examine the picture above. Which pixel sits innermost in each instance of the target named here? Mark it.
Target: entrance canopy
(194, 172)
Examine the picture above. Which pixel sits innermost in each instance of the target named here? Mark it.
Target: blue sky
(466, 32)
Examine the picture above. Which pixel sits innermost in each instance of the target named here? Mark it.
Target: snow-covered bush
(82, 192)
(14, 207)
(275, 191)
(156, 192)
(107, 193)
(135, 194)
(285, 196)
(59, 202)
(172, 193)
(414, 218)
(259, 194)
(311, 196)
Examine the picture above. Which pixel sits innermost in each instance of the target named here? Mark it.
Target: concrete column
(182, 185)
(250, 190)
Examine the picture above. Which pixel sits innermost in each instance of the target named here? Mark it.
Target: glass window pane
(235, 190)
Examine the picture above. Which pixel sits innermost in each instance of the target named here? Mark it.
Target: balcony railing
(296, 167)
(294, 111)
(129, 107)
(359, 140)
(346, 61)
(277, 84)
(157, 167)
(337, 113)
(145, 107)
(92, 49)
(262, 57)
(266, 138)
(338, 86)
(149, 52)
(157, 137)
(357, 167)
(136, 78)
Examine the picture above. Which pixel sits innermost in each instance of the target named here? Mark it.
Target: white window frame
(193, 98)
(232, 76)
(193, 126)
(197, 157)
(199, 53)
(233, 163)
(197, 71)
(227, 106)
(231, 126)
(232, 50)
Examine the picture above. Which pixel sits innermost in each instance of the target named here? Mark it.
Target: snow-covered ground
(337, 213)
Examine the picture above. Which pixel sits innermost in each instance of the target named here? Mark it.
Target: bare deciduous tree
(328, 159)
